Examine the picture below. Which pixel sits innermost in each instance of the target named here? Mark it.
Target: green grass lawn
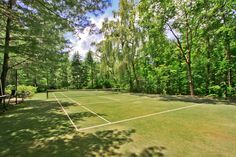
(125, 125)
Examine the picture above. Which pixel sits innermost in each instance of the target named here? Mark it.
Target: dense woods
(171, 47)
(164, 47)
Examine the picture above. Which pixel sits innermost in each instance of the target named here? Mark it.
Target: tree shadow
(154, 151)
(196, 99)
(187, 98)
(39, 128)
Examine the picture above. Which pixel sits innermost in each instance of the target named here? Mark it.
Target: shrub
(9, 88)
(107, 84)
(216, 90)
(29, 90)
(230, 91)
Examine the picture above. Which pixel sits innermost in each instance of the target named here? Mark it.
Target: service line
(138, 117)
(108, 122)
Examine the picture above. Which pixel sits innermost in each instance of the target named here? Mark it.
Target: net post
(47, 94)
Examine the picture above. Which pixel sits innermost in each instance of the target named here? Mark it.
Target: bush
(230, 91)
(29, 90)
(216, 90)
(107, 84)
(42, 88)
(9, 88)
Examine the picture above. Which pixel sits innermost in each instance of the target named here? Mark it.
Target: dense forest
(150, 46)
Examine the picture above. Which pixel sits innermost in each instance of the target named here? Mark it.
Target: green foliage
(32, 34)
(216, 91)
(171, 47)
(9, 88)
(152, 46)
(231, 91)
(28, 90)
(79, 72)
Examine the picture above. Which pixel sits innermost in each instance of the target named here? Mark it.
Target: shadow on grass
(40, 128)
(187, 98)
(198, 100)
(153, 151)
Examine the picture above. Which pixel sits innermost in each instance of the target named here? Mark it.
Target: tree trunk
(146, 82)
(131, 85)
(179, 76)
(190, 77)
(208, 76)
(5, 65)
(227, 53)
(228, 57)
(135, 76)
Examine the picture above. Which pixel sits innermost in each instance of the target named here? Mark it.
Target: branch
(50, 10)
(178, 41)
(97, 55)
(46, 7)
(19, 63)
(187, 34)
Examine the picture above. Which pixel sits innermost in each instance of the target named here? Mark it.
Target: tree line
(32, 33)
(164, 47)
(171, 47)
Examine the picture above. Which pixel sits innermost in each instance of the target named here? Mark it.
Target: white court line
(108, 122)
(105, 102)
(106, 97)
(139, 117)
(66, 113)
(108, 102)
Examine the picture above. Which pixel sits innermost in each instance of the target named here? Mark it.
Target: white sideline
(66, 113)
(139, 117)
(108, 122)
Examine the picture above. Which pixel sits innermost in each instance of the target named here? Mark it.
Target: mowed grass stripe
(117, 110)
(85, 108)
(108, 102)
(41, 127)
(139, 117)
(126, 109)
(109, 98)
(80, 116)
(86, 94)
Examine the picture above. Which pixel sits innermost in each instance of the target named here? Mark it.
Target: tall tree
(90, 62)
(34, 29)
(78, 72)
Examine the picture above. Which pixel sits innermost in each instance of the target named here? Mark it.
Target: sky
(81, 41)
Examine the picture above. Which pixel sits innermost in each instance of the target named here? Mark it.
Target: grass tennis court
(104, 123)
(107, 108)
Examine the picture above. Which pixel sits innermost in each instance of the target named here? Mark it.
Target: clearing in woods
(105, 123)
